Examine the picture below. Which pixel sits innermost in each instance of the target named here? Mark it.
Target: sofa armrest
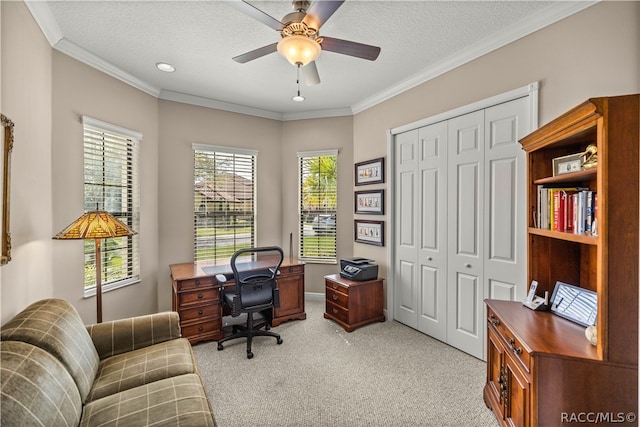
(121, 336)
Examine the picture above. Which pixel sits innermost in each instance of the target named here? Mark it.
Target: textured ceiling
(419, 40)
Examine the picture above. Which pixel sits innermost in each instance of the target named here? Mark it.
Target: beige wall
(26, 100)
(81, 90)
(180, 126)
(310, 135)
(593, 53)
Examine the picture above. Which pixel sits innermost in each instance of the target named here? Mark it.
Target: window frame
(125, 141)
(304, 214)
(241, 159)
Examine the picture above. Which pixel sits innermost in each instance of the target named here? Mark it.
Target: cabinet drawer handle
(335, 311)
(493, 320)
(199, 312)
(335, 296)
(198, 282)
(199, 296)
(334, 286)
(515, 350)
(200, 328)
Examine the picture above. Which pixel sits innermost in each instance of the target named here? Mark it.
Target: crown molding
(558, 11)
(73, 50)
(200, 101)
(548, 16)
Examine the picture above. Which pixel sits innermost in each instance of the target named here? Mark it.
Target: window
(224, 201)
(318, 205)
(111, 184)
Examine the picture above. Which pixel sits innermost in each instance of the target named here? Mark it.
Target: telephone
(534, 302)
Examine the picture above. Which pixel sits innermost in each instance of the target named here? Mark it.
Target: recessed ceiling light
(167, 68)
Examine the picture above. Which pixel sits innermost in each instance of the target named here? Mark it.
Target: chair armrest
(121, 336)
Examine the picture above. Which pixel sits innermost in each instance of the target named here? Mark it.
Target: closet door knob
(468, 265)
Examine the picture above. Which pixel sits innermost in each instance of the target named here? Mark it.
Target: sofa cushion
(176, 401)
(36, 389)
(55, 326)
(142, 366)
(122, 335)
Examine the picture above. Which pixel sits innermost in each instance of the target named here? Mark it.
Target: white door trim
(530, 91)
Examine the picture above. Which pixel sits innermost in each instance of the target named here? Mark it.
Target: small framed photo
(369, 202)
(568, 164)
(370, 172)
(369, 232)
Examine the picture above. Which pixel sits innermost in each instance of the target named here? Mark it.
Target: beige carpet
(383, 374)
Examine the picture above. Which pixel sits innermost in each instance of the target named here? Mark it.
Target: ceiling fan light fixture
(298, 98)
(298, 49)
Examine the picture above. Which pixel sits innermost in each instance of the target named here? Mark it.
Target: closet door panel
(406, 290)
(432, 252)
(465, 233)
(505, 246)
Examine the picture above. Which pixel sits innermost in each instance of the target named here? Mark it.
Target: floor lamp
(96, 225)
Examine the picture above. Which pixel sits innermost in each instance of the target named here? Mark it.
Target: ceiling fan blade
(350, 48)
(255, 13)
(320, 11)
(310, 73)
(257, 53)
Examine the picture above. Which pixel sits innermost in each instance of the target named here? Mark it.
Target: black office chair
(254, 271)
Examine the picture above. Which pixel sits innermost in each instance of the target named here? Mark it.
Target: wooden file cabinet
(196, 297)
(353, 304)
(197, 301)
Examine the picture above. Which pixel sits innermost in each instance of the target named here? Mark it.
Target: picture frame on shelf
(370, 172)
(568, 164)
(369, 202)
(369, 232)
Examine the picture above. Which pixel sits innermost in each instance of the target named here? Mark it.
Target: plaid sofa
(55, 371)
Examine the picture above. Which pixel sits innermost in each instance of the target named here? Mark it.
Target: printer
(358, 269)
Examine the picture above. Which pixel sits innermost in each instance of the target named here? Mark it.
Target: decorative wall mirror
(7, 146)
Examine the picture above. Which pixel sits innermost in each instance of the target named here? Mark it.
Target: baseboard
(314, 296)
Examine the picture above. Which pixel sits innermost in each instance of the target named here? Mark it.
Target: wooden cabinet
(291, 285)
(541, 370)
(196, 297)
(197, 301)
(353, 304)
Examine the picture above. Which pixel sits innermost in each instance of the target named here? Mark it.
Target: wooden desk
(196, 296)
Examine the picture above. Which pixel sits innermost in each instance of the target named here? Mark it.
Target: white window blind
(111, 184)
(224, 201)
(318, 205)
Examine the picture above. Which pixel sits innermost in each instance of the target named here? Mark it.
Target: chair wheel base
(220, 347)
(279, 341)
(249, 355)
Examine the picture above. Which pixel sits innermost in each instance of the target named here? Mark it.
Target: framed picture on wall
(369, 232)
(369, 202)
(370, 172)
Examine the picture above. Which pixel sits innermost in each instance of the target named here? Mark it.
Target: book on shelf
(566, 209)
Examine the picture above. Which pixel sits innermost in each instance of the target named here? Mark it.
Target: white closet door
(465, 328)
(432, 250)
(406, 297)
(505, 194)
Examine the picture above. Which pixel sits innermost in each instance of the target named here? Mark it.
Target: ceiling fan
(301, 43)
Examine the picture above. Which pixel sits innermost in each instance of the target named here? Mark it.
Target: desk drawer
(200, 328)
(292, 269)
(338, 312)
(193, 284)
(511, 342)
(191, 314)
(337, 296)
(209, 296)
